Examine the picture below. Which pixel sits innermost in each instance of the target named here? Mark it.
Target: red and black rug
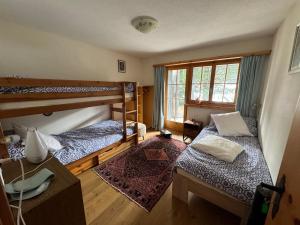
(144, 172)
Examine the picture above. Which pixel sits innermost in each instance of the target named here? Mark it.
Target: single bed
(81, 142)
(229, 185)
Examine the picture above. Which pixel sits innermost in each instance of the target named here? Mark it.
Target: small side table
(191, 128)
(60, 204)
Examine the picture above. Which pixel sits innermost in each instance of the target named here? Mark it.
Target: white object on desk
(35, 149)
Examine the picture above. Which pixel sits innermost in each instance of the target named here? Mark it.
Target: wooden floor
(105, 206)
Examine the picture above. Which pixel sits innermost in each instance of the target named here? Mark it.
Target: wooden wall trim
(216, 58)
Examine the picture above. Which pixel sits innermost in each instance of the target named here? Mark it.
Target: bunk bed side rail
(9, 113)
(5, 98)
(33, 82)
(111, 88)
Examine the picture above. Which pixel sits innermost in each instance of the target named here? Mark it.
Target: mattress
(26, 90)
(81, 142)
(238, 179)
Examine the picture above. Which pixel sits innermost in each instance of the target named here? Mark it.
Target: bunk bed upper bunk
(29, 96)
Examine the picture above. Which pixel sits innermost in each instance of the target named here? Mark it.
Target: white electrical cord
(1, 177)
(21, 194)
(19, 207)
(22, 176)
(30, 171)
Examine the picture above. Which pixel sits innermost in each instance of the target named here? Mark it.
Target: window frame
(188, 89)
(210, 103)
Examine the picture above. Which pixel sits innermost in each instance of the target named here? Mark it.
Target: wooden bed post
(111, 106)
(180, 188)
(135, 99)
(3, 147)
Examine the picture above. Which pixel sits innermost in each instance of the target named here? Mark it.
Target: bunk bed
(28, 96)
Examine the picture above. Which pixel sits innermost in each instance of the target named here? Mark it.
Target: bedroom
(67, 41)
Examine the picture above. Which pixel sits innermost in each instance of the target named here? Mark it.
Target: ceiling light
(144, 24)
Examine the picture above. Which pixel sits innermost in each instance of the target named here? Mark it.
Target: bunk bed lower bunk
(80, 143)
(83, 148)
(228, 185)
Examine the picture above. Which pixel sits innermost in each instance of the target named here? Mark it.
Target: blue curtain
(158, 101)
(251, 78)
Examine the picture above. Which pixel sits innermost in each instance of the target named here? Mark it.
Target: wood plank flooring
(106, 206)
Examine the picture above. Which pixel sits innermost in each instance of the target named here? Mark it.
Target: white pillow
(20, 130)
(219, 147)
(51, 143)
(231, 124)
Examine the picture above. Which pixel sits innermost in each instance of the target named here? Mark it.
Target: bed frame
(183, 183)
(108, 97)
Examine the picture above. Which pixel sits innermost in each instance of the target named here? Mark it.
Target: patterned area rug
(144, 172)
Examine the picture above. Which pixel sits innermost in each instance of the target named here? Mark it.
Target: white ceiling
(182, 23)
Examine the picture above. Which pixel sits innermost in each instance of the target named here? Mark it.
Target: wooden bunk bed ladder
(134, 111)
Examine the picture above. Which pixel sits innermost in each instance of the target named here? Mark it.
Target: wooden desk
(62, 202)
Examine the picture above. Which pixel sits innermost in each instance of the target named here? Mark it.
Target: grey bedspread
(81, 142)
(240, 178)
(26, 90)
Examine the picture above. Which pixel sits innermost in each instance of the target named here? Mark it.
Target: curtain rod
(224, 57)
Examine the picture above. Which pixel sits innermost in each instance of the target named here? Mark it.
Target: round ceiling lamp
(144, 24)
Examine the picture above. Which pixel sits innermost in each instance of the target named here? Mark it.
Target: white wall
(230, 48)
(59, 122)
(38, 54)
(32, 53)
(202, 114)
(281, 94)
(237, 47)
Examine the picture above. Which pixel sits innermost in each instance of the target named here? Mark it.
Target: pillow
(219, 147)
(20, 130)
(231, 124)
(51, 143)
(250, 122)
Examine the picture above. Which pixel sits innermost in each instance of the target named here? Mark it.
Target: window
(176, 94)
(215, 83)
(206, 84)
(225, 83)
(201, 83)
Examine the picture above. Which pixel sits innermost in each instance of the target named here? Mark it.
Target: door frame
(172, 125)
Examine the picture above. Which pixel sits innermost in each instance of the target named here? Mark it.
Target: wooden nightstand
(191, 128)
(60, 204)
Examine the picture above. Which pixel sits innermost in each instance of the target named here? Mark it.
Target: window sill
(209, 105)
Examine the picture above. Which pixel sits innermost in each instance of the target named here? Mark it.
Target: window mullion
(224, 83)
(212, 80)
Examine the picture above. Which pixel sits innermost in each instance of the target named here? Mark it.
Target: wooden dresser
(60, 204)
